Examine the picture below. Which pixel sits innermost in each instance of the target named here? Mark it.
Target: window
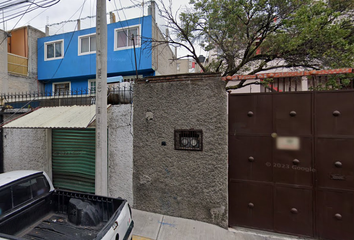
(22, 192)
(123, 37)
(92, 86)
(6, 200)
(189, 140)
(39, 186)
(54, 50)
(61, 89)
(87, 44)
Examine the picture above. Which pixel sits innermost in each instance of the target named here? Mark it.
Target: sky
(72, 9)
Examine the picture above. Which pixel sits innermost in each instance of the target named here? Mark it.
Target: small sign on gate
(288, 143)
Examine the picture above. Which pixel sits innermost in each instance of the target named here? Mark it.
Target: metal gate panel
(292, 114)
(251, 204)
(317, 179)
(250, 157)
(73, 159)
(294, 167)
(293, 210)
(335, 163)
(334, 113)
(250, 114)
(335, 212)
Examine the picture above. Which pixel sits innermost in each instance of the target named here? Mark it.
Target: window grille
(189, 140)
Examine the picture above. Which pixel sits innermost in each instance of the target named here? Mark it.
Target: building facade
(67, 62)
(18, 60)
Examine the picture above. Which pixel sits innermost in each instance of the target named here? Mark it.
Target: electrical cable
(14, 26)
(61, 61)
(11, 12)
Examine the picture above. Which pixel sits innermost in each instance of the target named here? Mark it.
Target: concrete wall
(120, 151)
(31, 149)
(33, 35)
(188, 184)
(10, 83)
(183, 66)
(3, 62)
(162, 56)
(25, 149)
(19, 84)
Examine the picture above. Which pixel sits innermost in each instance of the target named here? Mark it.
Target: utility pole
(101, 179)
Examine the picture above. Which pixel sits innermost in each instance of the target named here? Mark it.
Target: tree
(257, 35)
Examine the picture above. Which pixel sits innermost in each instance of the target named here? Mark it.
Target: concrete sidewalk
(161, 227)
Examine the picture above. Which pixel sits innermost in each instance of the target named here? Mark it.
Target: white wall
(120, 151)
(26, 149)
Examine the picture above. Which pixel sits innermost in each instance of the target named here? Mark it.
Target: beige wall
(183, 66)
(163, 59)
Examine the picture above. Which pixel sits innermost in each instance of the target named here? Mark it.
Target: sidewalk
(152, 226)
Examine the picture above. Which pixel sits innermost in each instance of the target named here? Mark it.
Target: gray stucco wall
(188, 184)
(3, 63)
(33, 35)
(31, 149)
(25, 149)
(120, 151)
(19, 84)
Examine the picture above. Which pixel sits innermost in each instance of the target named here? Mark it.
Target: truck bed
(56, 226)
(49, 218)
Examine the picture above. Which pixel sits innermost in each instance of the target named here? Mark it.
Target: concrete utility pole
(101, 183)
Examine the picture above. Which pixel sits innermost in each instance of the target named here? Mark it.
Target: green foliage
(334, 82)
(252, 35)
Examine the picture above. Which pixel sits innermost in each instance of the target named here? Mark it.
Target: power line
(17, 8)
(93, 16)
(72, 35)
(120, 21)
(15, 25)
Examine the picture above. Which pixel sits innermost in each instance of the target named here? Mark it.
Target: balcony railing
(115, 95)
(17, 64)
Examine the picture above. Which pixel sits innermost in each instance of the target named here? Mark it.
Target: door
(73, 159)
(291, 167)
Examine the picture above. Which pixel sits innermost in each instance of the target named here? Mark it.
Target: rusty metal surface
(249, 156)
(334, 113)
(292, 114)
(305, 189)
(335, 215)
(335, 163)
(294, 167)
(251, 204)
(250, 114)
(293, 210)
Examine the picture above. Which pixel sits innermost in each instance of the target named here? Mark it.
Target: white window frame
(126, 28)
(79, 44)
(52, 42)
(57, 83)
(89, 86)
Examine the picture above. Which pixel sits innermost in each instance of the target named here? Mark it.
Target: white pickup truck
(30, 208)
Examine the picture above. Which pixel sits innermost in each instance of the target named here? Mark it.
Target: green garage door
(73, 157)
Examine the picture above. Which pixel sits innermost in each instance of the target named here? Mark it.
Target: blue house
(67, 62)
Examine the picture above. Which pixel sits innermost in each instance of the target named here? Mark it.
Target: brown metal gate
(291, 163)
